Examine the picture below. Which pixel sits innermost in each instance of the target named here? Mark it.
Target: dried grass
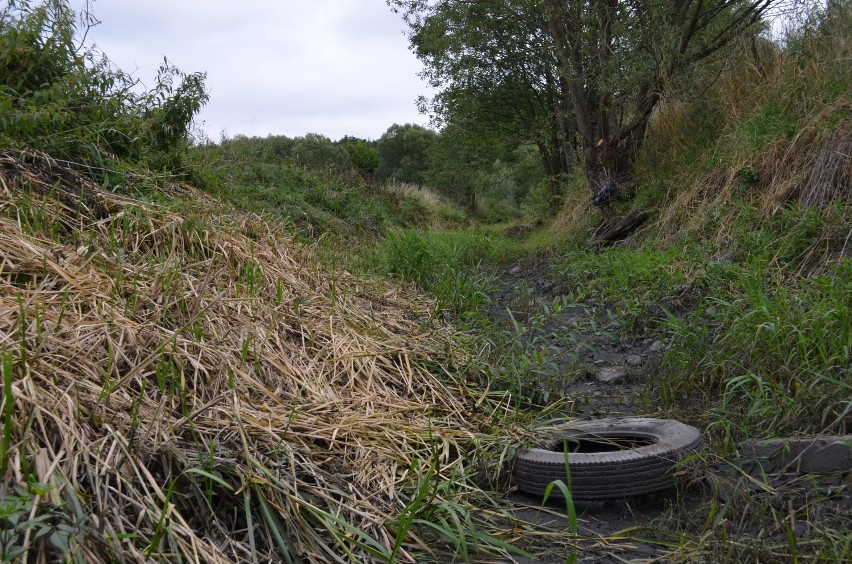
(158, 356)
(805, 83)
(831, 174)
(405, 189)
(814, 168)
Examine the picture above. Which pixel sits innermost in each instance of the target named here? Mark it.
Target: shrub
(72, 104)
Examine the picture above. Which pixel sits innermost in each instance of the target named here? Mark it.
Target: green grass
(761, 329)
(448, 264)
(769, 357)
(318, 203)
(640, 284)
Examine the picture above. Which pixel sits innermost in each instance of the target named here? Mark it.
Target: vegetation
(316, 186)
(404, 153)
(744, 273)
(585, 74)
(74, 105)
(187, 374)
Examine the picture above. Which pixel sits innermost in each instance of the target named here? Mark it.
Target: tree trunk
(556, 166)
(613, 159)
(620, 230)
(471, 201)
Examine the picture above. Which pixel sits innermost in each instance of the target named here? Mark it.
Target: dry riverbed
(752, 506)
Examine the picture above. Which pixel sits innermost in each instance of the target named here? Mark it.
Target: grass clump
(639, 283)
(774, 351)
(447, 264)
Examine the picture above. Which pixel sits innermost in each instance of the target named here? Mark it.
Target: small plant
(44, 526)
(7, 365)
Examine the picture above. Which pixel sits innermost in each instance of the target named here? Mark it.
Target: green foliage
(404, 153)
(48, 527)
(779, 356)
(316, 152)
(496, 78)
(772, 343)
(362, 155)
(309, 183)
(456, 166)
(562, 74)
(7, 368)
(488, 175)
(638, 282)
(444, 263)
(71, 103)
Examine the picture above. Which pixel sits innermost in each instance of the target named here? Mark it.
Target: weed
(24, 517)
(7, 365)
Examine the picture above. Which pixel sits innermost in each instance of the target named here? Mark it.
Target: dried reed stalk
(197, 386)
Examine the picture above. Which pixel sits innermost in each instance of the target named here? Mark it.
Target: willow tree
(607, 61)
(497, 76)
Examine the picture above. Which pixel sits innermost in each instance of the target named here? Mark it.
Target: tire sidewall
(668, 436)
(609, 475)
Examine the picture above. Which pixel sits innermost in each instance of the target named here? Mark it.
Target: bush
(71, 104)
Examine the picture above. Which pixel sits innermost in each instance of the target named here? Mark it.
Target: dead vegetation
(781, 133)
(195, 386)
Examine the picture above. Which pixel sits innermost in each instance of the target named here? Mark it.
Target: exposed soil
(589, 358)
(602, 369)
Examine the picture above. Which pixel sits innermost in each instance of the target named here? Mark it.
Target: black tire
(651, 466)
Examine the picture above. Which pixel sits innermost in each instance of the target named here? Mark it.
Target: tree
(404, 153)
(362, 154)
(456, 165)
(613, 58)
(316, 152)
(497, 75)
(618, 56)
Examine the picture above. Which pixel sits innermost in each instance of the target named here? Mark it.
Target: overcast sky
(288, 67)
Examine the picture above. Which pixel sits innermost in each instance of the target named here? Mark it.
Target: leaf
(210, 476)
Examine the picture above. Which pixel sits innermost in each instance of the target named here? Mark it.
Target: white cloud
(287, 67)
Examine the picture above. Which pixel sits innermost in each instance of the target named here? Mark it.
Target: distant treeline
(446, 161)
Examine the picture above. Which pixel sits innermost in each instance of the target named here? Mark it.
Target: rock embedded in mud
(633, 360)
(612, 375)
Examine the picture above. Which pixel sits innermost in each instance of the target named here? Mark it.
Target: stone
(633, 360)
(814, 455)
(612, 374)
(515, 270)
(657, 346)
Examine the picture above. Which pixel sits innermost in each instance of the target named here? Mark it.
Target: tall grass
(771, 127)
(447, 264)
(777, 354)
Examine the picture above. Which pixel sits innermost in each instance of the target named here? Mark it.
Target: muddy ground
(603, 369)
